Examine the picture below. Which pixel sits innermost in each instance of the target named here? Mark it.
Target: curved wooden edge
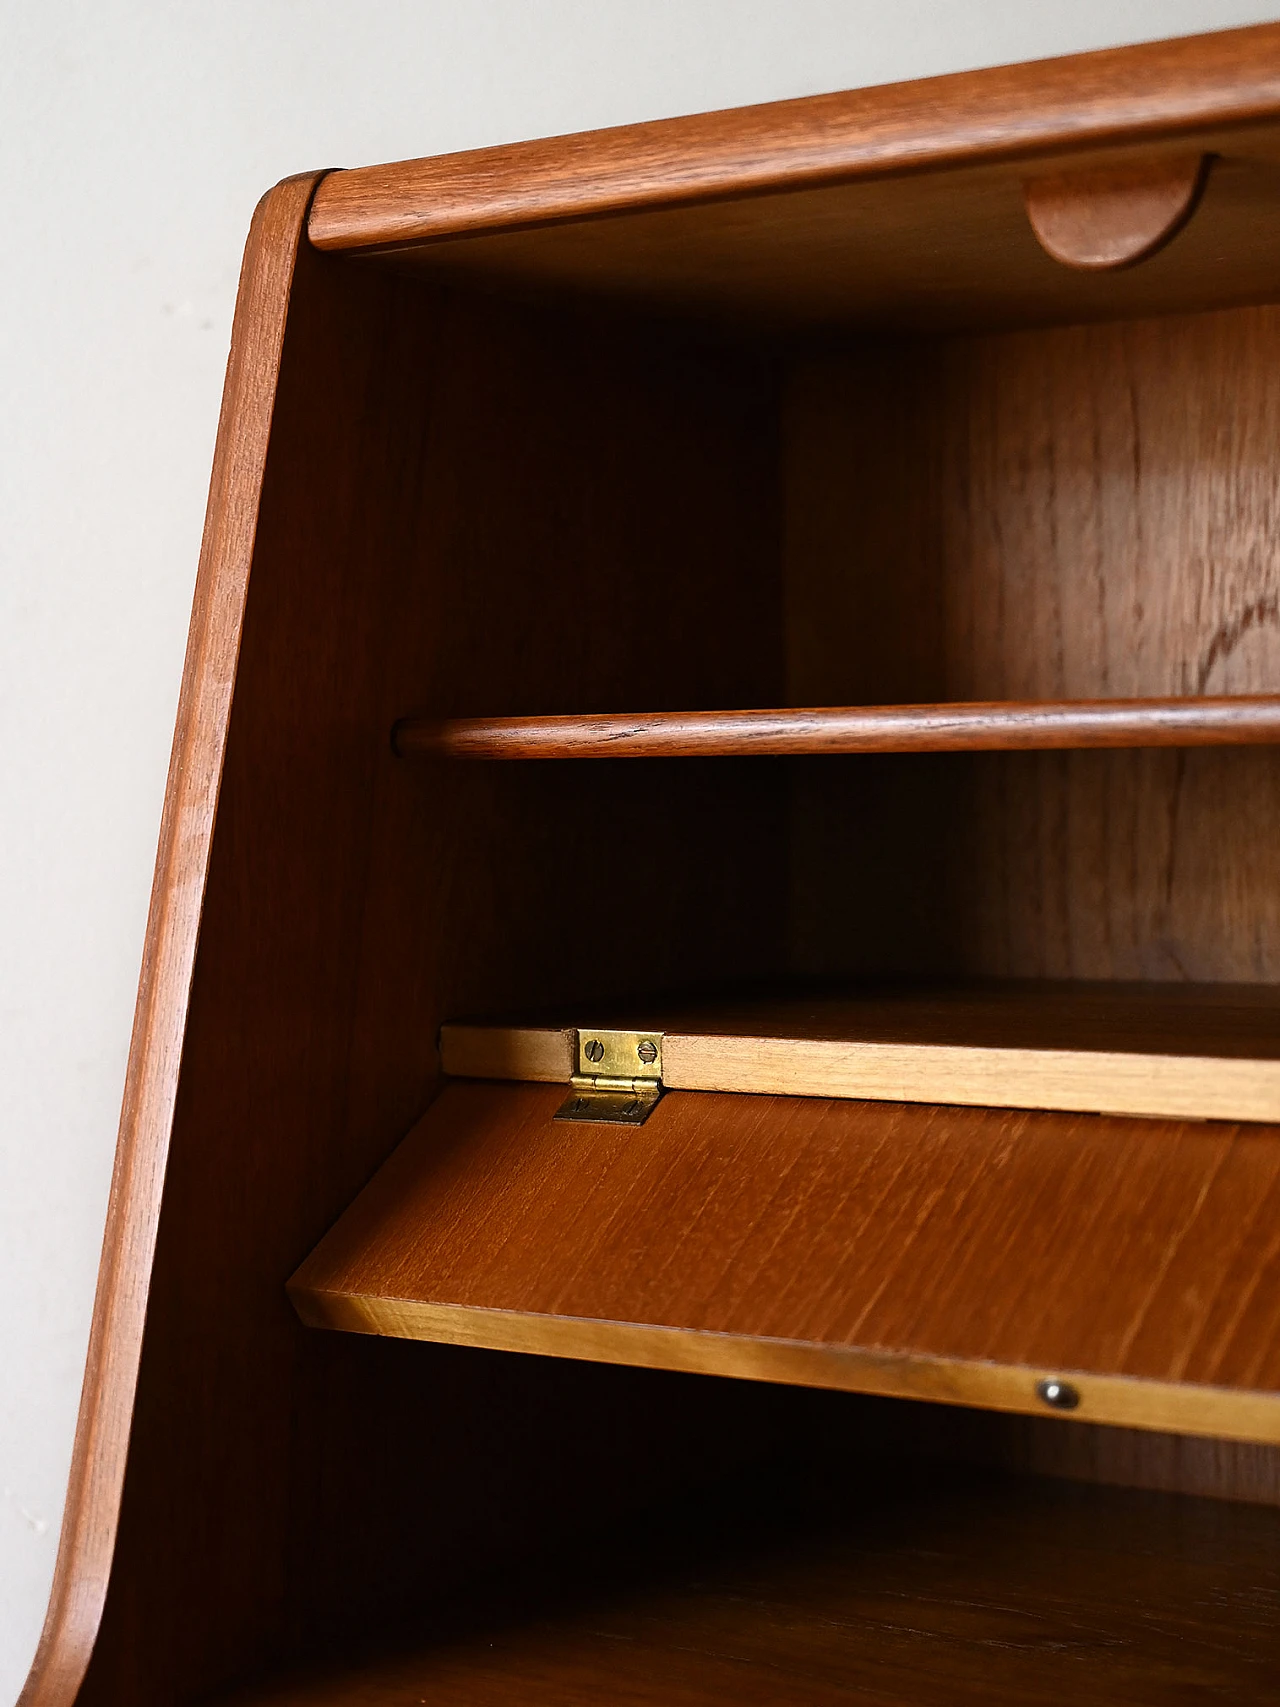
(1229, 720)
(87, 1539)
(1119, 96)
(1163, 1406)
(1101, 221)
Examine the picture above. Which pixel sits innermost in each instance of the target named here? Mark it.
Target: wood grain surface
(1180, 1051)
(443, 477)
(1100, 220)
(102, 1433)
(932, 1253)
(466, 491)
(982, 519)
(1119, 1457)
(990, 518)
(943, 252)
(1125, 94)
(1221, 721)
(895, 207)
(915, 1593)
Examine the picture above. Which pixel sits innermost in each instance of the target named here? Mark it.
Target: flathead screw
(594, 1049)
(647, 1051)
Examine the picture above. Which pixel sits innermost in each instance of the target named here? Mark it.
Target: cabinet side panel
(98, 1467)
(466, 505)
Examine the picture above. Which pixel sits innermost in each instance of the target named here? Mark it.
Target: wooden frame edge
(1165, 1407)
(999, 726)
(1070, 1081)
(90, 1516)
(1116, 96)
(540, 1053)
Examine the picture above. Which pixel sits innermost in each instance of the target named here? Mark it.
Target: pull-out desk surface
(964, 1255)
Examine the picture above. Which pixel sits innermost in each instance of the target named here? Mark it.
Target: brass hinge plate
(619, 1078)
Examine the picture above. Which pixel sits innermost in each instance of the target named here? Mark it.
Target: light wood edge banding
(87, 1539)
(1082, 1081)
(1173, 1087)
(1162, 1406)
(1119, 96)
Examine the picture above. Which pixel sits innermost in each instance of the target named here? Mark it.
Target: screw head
(647, 1051)
(1061, 1395)
(593, 1049)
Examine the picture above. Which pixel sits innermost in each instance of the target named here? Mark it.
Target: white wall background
(136, 136)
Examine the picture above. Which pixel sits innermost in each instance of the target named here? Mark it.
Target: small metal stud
(1060, 1394)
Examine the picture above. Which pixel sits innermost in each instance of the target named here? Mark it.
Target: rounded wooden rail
(1118, 97)
(999, 725)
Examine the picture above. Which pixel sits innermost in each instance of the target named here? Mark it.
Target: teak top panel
(1119, 1247)
(1123, 95)
(901, 205)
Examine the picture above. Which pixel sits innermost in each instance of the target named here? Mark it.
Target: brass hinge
(619, 1078)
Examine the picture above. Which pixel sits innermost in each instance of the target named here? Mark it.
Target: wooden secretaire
(704, 1119)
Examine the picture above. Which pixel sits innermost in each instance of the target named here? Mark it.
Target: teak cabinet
(758, 635)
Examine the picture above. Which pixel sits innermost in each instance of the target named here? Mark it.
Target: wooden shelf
(956, 1255)
(1172, 1050)
(939, 1594)
(1008, 726)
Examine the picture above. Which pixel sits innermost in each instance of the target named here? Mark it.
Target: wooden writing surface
(960, 1255)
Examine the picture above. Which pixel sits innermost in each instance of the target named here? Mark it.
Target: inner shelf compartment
(932, 1182)
(931, 1590)
(962, 1256)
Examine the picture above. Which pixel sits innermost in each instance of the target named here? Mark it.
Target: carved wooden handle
(1117, 215)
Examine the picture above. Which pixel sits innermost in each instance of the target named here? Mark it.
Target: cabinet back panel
(1083, 512)
(1129, 865)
